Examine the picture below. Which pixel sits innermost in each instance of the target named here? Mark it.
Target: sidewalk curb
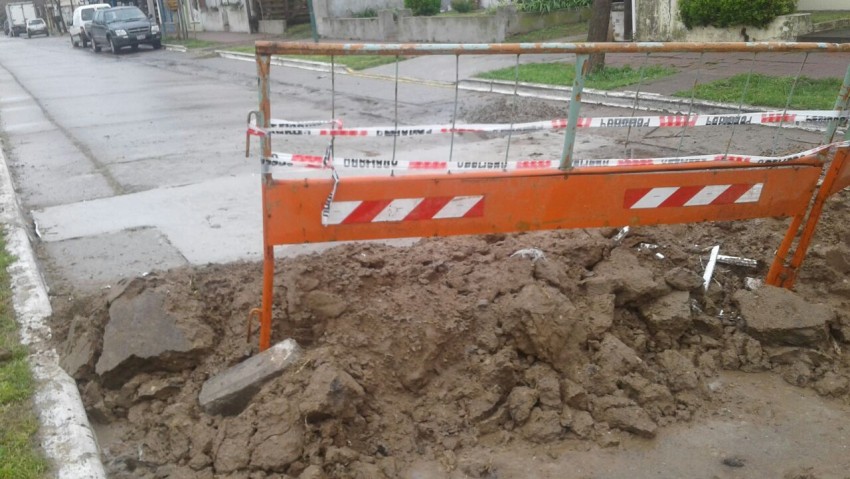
(175, 48)
(286, 62)
(622, 99)
(66, 435)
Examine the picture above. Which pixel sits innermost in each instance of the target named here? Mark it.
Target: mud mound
(432, 351)
(505, 109)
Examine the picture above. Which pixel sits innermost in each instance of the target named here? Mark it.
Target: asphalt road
(135, 162)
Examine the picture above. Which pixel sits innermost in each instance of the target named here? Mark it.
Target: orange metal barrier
(318, 210)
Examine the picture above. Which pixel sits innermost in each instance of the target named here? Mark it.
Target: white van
(82, 19)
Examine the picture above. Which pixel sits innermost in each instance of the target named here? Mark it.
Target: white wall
(225, 19)
(823, 5)
(346, 8)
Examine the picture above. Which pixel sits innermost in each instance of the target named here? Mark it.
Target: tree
(597, 31)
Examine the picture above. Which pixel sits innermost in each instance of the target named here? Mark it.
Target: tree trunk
(598, 32)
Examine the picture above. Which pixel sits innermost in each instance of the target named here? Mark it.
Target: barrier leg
(264, 118)
(784, 276)
(777, 271)
(268, 293)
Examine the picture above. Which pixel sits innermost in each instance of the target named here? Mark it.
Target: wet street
(135, 162)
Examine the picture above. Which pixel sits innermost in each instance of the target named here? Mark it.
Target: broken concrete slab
(230, 391)
(779, 317)
(142, 335)
(79, 352)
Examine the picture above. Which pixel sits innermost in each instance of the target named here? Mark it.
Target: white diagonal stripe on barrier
(654, 197)
(457, 207)
(397, 210)
(752, 195)
(340, 210)
(707, 195)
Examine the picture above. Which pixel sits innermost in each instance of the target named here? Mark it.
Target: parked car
(80, 22)
(36, 26)
(120, 27)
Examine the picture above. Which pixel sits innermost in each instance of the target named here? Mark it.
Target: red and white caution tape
(311, 161)
(797, 117)
(276, 124)
(308, 161)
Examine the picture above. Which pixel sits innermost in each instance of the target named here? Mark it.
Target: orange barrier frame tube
(837, 178)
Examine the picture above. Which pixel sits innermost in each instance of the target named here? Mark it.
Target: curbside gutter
(66, 435)
(286, 62)
(174, 48)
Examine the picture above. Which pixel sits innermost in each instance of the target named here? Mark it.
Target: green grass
(190, 43)
(20, 457)
(764, 90)
(828, 16)
(563, 74)
(549, 33)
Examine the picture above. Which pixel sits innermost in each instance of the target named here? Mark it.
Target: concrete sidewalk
(691, 68)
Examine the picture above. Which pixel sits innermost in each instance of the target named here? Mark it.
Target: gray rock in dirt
(683, 279)
(680, 371)
(331, 393)
(615, 357)
(573, 394)
(670, 314)
(542, 426)
(79, 352)
(779, 317)
(599, 315)
(545, 380)
(629, 418)
(832, 384)
(324, 305)
(228, 392)
(142, 335)
(274, 450)
(579, 422)
(627, 278)
(520, 402)
(838, 258)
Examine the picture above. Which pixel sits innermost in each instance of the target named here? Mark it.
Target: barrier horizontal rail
(417, 49)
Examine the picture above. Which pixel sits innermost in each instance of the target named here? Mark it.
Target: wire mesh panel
(396, 170)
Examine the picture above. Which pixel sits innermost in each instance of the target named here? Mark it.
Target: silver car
(36, 26)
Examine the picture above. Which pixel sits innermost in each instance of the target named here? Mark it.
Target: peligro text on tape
(795, 117)
(311, 161)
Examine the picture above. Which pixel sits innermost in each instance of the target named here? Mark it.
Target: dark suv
(121, 27)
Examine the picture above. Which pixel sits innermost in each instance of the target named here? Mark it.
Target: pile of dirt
(449, 346)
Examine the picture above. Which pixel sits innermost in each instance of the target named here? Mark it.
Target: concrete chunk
(778, 317)
(230, 391)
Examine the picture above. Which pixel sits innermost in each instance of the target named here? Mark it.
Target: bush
(463, 6)
(546, 6)
(423, 7)
(724, 13)
(366, 13)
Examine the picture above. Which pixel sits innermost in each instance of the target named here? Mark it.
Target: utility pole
(597, 31)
